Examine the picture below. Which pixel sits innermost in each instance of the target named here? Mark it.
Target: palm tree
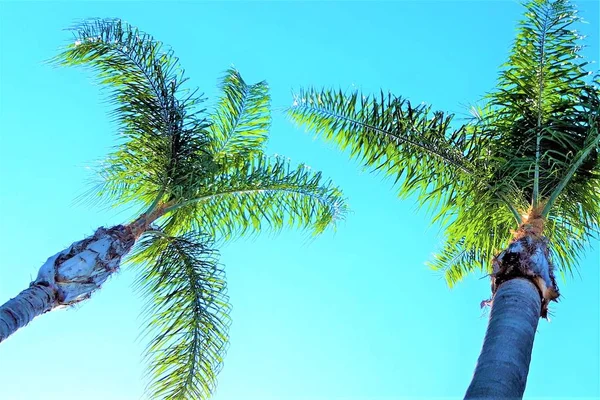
(196, 177)
(516, 188)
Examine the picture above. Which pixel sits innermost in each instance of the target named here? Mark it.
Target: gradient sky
(353, 314)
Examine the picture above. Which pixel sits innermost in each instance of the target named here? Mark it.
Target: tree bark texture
(18, 312)
(522, 286)
(503, 364)
(68, 277)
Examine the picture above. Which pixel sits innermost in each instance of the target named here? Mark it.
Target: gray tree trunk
(503, 364)
(68, 277)
(18, 312)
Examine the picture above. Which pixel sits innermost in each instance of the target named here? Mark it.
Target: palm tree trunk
(503, 364)
(18, 312)
(72, 275)
(522, 286)
(68, 277)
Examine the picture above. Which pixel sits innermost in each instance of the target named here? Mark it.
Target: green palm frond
(475, 232)
(415, 146)
(256, 193)
(572, 225)
(163, 127)
(187, 311)
(242, 118)
(371, 125)
(583, 171)
(454, 261)
(538, 101)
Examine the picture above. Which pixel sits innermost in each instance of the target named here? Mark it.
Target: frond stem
(536, 177)
(156, 201)
(563, 183)
(227, 192)
(510, 207)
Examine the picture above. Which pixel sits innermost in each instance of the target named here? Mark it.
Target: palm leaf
(164, 130)
(415, 146)
(454, 261)
(259, 193)
(187, 312)
(242, 118)
(539, 108)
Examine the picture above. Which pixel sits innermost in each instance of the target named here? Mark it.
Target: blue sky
(353, 314)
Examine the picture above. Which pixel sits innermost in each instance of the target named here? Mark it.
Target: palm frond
(574, 224)
(242, 118)
(163, 127)
(539, 109)
(454, 261)
(187, 312)
(587, 155)
(415, 146)
(477, 229)
(256, 193)
(369, 124)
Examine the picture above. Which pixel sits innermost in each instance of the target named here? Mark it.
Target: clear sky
(353, 314)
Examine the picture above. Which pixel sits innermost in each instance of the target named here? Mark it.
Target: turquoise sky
(353, 314)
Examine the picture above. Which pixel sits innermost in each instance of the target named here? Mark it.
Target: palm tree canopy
(531, 149)
(206, 173)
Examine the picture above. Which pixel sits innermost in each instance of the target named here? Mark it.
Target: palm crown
(201, 176)
(530, 154)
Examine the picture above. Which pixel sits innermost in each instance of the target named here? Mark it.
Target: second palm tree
(522, 176)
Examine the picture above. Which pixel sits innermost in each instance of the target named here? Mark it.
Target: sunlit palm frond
(548, 113)
(415, 146)
(380, 130)
(165, 131)
(538, 102)
(187, 312)
(582, 172)
(242, 118)
(454, 261)
(257, 193)
(573, 225)
(475, 232)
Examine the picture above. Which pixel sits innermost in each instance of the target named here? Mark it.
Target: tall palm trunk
(522, 285)
(31, 302)
(503, 364)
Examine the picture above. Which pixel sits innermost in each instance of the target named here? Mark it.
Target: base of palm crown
(527, 256)
(78, 271)
(81, 269)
